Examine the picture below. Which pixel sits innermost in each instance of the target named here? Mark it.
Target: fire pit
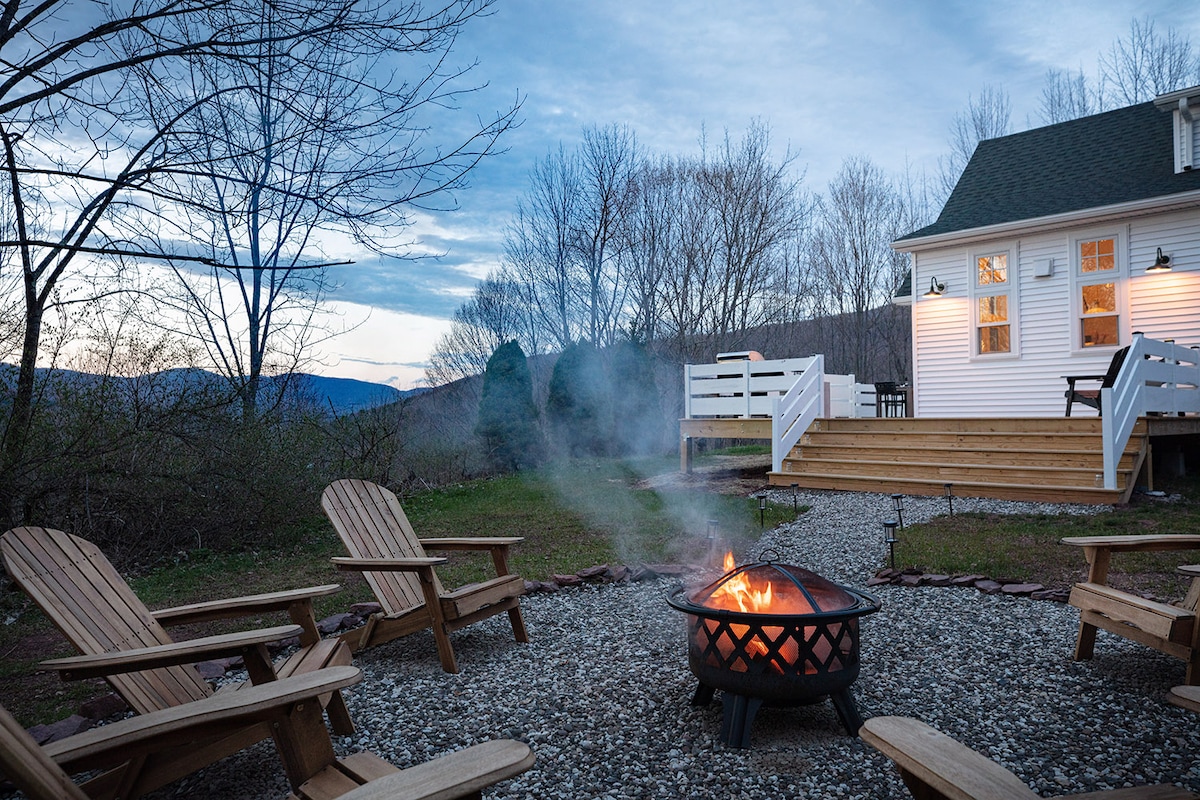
(773, 633)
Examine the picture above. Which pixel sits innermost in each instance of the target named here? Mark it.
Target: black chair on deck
(890, 401)
(1091, 397)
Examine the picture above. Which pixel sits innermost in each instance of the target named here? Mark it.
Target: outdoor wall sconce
(950, 497)
(937, 289)
(889, 538)
(898, 505)
(1162, 263)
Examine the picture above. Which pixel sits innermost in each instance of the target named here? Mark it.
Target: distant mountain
(342, 395)
(347, 395)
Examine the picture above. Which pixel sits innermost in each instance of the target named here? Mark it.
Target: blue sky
(832, 79)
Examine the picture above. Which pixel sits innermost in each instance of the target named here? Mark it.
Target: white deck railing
(791, 391)
(796, 410)
(1158, 377)
(739, 388)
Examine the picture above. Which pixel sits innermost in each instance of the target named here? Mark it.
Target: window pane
(992, 269)
(993, 339)
(993, 309)
(1099, 331)
(1099, 298)
(1098, 255)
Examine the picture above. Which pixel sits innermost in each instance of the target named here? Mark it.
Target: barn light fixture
(1162, 263)
(935, 289)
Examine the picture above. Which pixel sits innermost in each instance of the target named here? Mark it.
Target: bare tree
(77, 144)
(539, 247)
(302, 145)
(608, 164)
(1147, 64)
(652, 244)
(851, 249)
(754, 203)
(89, 157)
(498, 312)
(987, 116)
(1066, 95)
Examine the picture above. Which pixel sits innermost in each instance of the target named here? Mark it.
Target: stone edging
(915, 577)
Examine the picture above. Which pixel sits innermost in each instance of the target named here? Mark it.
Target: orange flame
(739, 594)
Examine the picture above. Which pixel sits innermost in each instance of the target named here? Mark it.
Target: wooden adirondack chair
(1173, 629)
(935, 767)
(384, 547)
(125, 643)
(131, 748)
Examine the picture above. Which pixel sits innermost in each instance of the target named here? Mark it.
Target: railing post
(1108, 433)
(687, 391)
(745, 389)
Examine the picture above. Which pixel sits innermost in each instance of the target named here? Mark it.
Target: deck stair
(1038, 459)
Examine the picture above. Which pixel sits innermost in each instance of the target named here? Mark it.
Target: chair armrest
(462, 773)
(1186, 697)
(148, 733)
(1139, 543)
(166, 655)
(471, 543)
(937, 761)
(1073, 378)
(387, 564)
(235, 607)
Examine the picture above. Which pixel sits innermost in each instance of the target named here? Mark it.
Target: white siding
(1166, 305)
(949, 382)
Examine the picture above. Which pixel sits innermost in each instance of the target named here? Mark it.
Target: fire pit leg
(847, 712)
(703, 696)
(737, 718)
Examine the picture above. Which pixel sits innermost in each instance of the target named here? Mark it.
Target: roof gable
(1116, 157)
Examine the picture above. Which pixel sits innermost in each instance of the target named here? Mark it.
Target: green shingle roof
(1116, 157)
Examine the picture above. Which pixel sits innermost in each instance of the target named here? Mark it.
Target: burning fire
(738, 594)
(741, 593)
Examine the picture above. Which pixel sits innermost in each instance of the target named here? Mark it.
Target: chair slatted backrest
(372, 524)
(1114, 368)
(84, 595)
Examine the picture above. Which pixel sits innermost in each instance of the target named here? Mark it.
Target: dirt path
(736, 475)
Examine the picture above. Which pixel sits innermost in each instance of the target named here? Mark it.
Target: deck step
(912, 486)
(1038, 459)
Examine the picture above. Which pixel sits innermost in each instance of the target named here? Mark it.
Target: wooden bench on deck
(1170, 629)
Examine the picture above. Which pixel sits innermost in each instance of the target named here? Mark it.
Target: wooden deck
(1053, 459)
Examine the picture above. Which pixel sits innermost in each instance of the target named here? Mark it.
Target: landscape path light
(898, 505)
(889, 538)
(762, 510)
(950, 497)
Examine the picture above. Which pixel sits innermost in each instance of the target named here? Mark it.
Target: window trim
(1011, 290)
(1119, 277)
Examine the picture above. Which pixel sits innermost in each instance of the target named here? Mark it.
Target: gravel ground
(602, 693)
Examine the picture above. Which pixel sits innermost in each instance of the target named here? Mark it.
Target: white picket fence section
(1156, 377)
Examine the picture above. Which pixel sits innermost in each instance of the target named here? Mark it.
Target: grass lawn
(1026, 547)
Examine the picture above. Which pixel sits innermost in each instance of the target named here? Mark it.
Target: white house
(1038, 262)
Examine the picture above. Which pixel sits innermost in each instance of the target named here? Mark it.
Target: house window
(1098, 307)
(993, 309)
